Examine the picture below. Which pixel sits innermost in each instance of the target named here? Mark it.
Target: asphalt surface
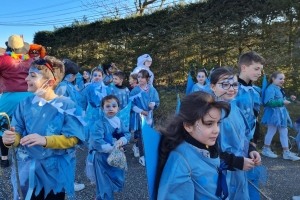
(282, 180)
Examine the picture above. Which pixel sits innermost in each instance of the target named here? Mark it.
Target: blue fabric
(151, 140)
(189, 84)
(9, 102)
(54, 168)
(198, 87)
(234, 138)
(108, 179)
(255, 175)
(264, 86)
(222, 189)
(178, 182)
(178, 105)
(107, 78)
(122, 94)
(79, 81)
(278, 116)
(142, 100)
(248, 99)
(67, 89)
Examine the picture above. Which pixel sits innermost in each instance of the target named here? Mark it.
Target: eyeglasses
(42, 61)
(34, 52)
(227, 85)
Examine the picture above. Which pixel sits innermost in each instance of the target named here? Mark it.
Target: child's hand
(255, 157)
(119, 143)
(285, 102)
(248, 164)
(145, 113)
(9, 137)
(33, 139)
(151, 105)
(293, 97)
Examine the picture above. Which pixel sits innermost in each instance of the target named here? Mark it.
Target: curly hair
(39, 48)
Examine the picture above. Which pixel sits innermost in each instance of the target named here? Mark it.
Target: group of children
(47, 126)
(219, 120)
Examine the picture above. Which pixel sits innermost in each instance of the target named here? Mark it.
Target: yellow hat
(17, 45)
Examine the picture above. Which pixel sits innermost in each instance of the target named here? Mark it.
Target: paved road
(283, 179)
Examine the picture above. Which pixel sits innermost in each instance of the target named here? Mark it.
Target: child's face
(201, 78)
(97, 76)
(132, 82)
(86, 75)
(206, 132)
(110, 70)
(253, 71)
(35, 80)
(142, 81)
(72, 78)
(117, 80)
(226, 87)
(110, 107)
(279, 80)
(148, 63)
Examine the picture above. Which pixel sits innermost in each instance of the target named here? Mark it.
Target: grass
(168, 103)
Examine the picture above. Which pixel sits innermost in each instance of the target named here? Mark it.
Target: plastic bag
(117, 159)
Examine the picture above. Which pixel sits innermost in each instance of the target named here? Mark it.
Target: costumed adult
(14, 66)
(37, 51)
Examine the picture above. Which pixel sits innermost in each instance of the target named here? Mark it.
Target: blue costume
(189, 175)
(93, 95)
(79, 81)
(234, 132)
(198, 87)
(107, 78)
(108, 179)
(140, 101)
(277, 116)
(67, 89)
(122, 94)
(51, 169)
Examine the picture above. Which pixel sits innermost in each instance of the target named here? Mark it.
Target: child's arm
(97, 141)
(154, 98)
(127, 135)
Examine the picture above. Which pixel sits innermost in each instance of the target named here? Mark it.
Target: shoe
(78, 187)
(290, 156)
(4, 163)
(296, 197)
(136, 151)
(268, 152)
(142, 160)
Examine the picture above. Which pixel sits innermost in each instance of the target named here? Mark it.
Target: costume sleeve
(251, 148)
(275, 103)
(18, 120)
(60, 142)
(233, 161)
(84, 94)
(155, 98)
(194, 88)
(176, 182)
(97, 136)
(269, 95)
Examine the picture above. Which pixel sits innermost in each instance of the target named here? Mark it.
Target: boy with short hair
(120, 90)
(249, 100)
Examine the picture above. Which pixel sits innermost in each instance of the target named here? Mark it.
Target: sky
(28, 17)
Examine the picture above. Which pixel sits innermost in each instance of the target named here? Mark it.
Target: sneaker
(4, 163)
(268, 152)
(136, 151)
(78, 187)
(142, 161)
(296, 197)
(290, 156)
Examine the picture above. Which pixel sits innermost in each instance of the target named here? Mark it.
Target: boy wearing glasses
(248, 100)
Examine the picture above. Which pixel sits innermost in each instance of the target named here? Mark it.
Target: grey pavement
(283, 179)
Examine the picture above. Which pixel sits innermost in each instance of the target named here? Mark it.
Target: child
(276, 116)
(248, 100)
(92, 97)
(108, 73)
(120, 90)
(201, 77)
(107, 132)
(66, 87)
(45, 130)
(144, 62)
(133, 81)
(188, 158)
(234, 132)
(145, 100)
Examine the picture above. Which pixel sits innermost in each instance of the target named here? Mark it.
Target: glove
(106, 148)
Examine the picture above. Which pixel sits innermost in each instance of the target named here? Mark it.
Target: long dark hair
(193, 107)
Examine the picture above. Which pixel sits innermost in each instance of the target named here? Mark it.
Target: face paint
(198, 129)
(110, 107)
